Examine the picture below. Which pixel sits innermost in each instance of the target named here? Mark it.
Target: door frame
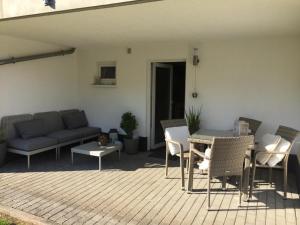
(153, 99)
(149, 91)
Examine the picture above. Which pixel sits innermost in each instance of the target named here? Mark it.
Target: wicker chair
(288, 134)
(184, 153)
(227, 158)
(253, 124)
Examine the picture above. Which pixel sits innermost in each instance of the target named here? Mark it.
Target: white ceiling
(168, 20)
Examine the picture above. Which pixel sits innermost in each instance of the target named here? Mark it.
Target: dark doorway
(168, 97)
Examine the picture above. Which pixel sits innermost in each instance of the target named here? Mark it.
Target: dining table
(206, 136)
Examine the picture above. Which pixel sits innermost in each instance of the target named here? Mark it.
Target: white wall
(259, 78)
(105, 106)
(254, 78)
(39, 85)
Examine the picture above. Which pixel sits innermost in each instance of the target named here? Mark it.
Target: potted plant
(3, 148)
(193, 119)
(129, 124)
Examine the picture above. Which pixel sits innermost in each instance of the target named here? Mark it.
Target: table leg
(191, 168)
(100, 163)
(246, 175)
(72, 157)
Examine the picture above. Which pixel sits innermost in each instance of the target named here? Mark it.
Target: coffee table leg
(99, 163)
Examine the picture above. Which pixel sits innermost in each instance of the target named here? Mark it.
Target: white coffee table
(93, 149)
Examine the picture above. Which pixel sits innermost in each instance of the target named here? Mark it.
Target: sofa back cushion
(52, 121)
(67, 111)
(8, 125)
(31, 128)
(75, 120)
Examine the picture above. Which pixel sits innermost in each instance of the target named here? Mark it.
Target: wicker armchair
(288, 134)
(253, 124)
(184, 153)
(227, 158)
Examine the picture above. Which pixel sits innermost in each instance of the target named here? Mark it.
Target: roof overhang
(163, 21)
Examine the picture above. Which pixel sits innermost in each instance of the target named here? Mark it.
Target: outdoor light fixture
(195, 57)
(50, 3)
(195, 63)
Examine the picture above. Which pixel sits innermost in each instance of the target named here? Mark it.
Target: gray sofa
(29, 134)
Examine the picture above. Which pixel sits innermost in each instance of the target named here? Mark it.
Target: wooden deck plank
(134, 191)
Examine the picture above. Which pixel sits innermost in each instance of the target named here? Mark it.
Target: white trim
(148, 91)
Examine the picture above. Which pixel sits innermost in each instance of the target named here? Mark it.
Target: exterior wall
(105, 106)
(14, 8)
(39, 85)
(258, 78)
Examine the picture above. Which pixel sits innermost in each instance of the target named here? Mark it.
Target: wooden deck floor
(133, 191)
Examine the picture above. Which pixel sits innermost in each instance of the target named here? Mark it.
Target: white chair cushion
(268, 144)
(205, 163)
(282, 147)
(178, 134)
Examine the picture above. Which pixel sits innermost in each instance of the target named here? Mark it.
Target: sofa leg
(28, 162)
(58, 153)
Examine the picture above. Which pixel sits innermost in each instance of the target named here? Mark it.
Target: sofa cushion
(65, 135)
(52, 120)
(67, 111)
(75, 120)
(31, 128)
(88, 131)
(32, 144)
(8, 124)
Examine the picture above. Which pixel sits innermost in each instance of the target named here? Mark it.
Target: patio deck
(133, 191)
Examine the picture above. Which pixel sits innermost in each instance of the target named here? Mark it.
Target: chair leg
(224, 183)
(182, 172)
(285, 171)
(187, 165)
(208, 193)
(270, 176)
(167, 161)
(28, 162)
(252, 180)
(241, 186)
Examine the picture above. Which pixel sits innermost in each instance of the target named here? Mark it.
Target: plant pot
(131, 145)
(3, 150)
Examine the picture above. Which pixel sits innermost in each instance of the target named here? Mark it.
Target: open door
(162, 83)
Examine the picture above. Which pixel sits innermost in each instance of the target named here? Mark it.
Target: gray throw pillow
(75, 120)
(31, 128)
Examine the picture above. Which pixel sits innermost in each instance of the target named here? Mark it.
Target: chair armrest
(175, 143)
(201, 154)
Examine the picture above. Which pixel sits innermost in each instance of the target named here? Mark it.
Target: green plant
(129, 124)
(193, 119)
(2, 138)
(4, 221)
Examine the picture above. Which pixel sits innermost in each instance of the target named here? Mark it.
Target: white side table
(93, 149)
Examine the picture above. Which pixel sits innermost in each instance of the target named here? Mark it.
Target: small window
(107, 74)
